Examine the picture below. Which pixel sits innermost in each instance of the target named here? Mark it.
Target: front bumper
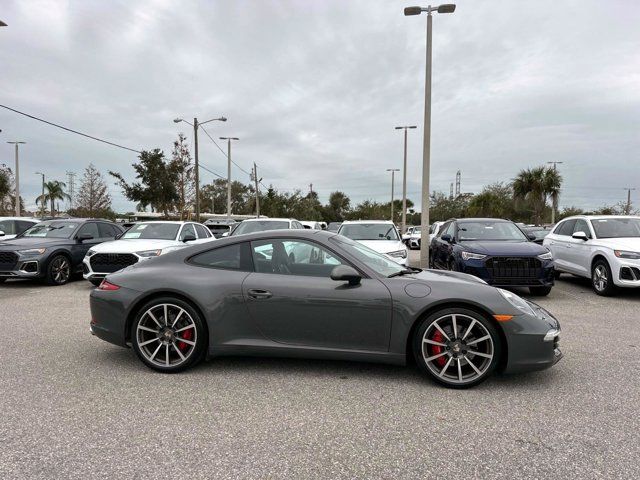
(626, 272)
(89, 273)
(541, 276)
(24, 267)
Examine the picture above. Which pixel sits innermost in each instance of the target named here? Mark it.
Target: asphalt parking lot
(74, 406)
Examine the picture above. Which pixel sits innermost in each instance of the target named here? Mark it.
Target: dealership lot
(74, 406)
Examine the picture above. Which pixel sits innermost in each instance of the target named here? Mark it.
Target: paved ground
(76, 407)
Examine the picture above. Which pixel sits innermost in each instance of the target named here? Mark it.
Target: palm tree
(535, 186)
(55, 191)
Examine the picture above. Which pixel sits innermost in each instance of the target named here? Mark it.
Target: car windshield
(372, 259)
(260, 226)
(153, 231)
(539, 233)
(417, 230)
(489, 231)
(51, 230)
(369, 231)
(616, 227)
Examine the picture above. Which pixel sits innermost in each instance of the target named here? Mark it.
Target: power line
(223, 152)
(71, 130)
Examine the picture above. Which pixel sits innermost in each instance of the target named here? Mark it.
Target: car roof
(597, 217)
(381, 222)
(28, 219)
(175, 222)
(270, 219)
(465, 220)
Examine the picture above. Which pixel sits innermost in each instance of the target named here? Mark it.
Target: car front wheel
(168, 335)
(58, 270)
(456, 347)
(601, 278)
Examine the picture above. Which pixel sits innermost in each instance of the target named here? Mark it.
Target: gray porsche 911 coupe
(316, 294)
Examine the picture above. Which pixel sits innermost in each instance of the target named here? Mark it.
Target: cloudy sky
(314, 89)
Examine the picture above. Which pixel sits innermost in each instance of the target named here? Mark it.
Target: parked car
(604, 248)
(142, 241)
(218, 228)
(412, 237)
(334, 226)
(538, 232)
(494, 250)
(12, 226)
(379, 235)
(311, 225)
(53, 250)
(253, 225)
(345, 301)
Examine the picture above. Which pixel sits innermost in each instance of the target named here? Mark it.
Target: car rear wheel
(601, 278)
(168, 335)
(456, 347)
(540, 291)
(58, 270)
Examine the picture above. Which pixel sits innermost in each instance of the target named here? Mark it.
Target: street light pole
(426, 146)
(17, 175)
(228, 139)
(42, 202)
(555, 197)
(393, 172)
(404, 180)
(195, 126)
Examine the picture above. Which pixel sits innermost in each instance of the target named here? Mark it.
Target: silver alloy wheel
(60, 269)
(600, 278)
(166, 335)
(457, 348)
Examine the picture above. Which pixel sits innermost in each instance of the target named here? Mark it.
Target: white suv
(379, 235)
(604, 248)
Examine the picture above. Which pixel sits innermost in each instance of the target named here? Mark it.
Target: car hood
(630, 244)
(383, 246)
(22, 243)
(133, 245)
(524, 249)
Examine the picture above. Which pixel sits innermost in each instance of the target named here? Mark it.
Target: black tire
(2, 280)
(556, 274)
(192, 356)
(58, 270)
(96, 281)
(603, 285)
(464, 318)
(540, 291)
(452, 265)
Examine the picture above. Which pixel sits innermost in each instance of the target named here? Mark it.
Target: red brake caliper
(187, 335)
(436, 349)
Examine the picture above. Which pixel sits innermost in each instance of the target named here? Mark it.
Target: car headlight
(398, 254)
(546, 256)
(472, 256)
(626, 254)
(516, 301)
(32, 251)
(149, 253)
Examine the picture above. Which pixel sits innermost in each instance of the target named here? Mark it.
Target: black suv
(53, 250)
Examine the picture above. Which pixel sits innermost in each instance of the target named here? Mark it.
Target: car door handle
(257, 293)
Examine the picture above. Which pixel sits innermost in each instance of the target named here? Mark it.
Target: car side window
(90, 228)
(293, 257)
(581, 226)
(443, 229)
(22, 226)
(8, 227)
(187, 230)
(106, 230)
(297, 225)
(230, 257)
(565, 228)
(451, 230)
(203, 232)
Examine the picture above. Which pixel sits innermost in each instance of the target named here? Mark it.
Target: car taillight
(104, 285)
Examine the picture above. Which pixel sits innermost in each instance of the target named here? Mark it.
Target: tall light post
(42, 202)
(426, 150)
(393, 172)
(554, 209)
(17, 177)
(404, 180)
(228, 139)
(195, 126)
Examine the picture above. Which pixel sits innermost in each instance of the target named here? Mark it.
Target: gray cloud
(314, 89)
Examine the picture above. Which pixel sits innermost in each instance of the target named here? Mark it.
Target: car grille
(111, 262)
(514, 270)
(8, 261)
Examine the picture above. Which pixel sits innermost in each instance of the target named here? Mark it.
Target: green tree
(337, 207)
(443, 208)
(535, 186)
(569, 212)
(495, 200)
(157, 182)
(93, 198)
(54, 190)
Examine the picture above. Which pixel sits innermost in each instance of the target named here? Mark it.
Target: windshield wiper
(405, 271)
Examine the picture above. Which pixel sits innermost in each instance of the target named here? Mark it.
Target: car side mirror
(1, 233)
(225, 234)
(189, 238)
(446, 238)
(580, 236)
(84, 236)
(531, 236)
(345, 273)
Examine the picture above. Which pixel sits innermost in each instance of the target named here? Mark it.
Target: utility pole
(213, 198)
(404, 179)
(393, 171)
(42, 202)
(554, 209)
(451, 191)
(627, 210)
(458, 178)
(228, 139)
(16, 143)
(72, 177)
(254, 177)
